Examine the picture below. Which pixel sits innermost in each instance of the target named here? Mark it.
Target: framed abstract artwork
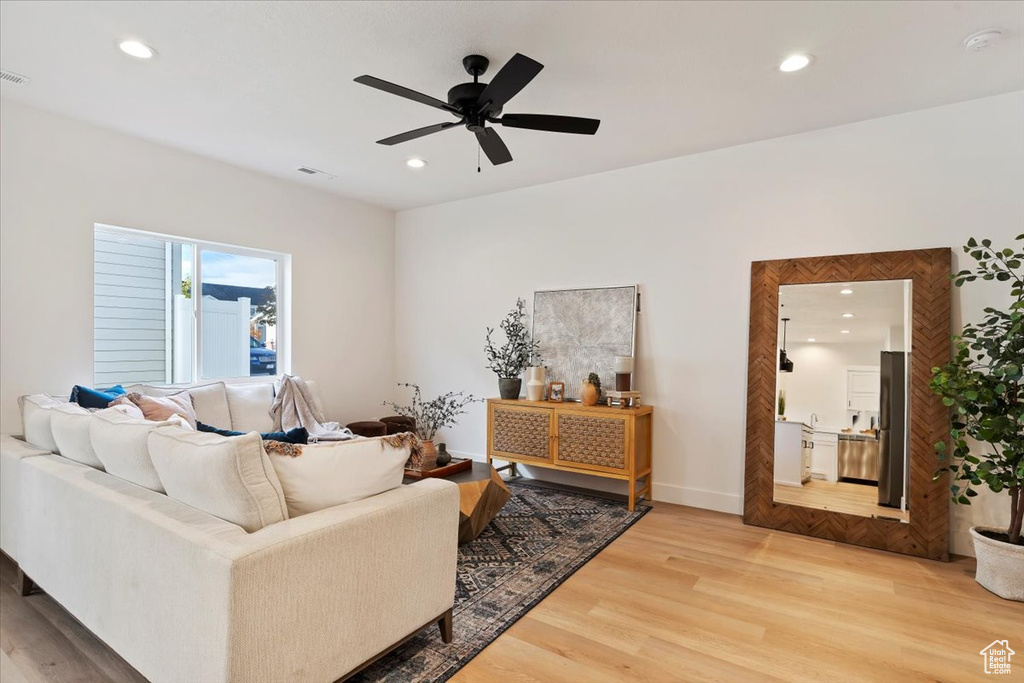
(580, 331)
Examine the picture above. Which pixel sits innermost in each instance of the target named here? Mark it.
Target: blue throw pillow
(297, 435)
(95, 398)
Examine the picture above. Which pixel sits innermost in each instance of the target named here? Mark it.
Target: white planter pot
(1000, 565)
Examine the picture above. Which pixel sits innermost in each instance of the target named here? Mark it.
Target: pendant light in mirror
(785, 364)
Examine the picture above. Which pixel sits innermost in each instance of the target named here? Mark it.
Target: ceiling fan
(477, 104)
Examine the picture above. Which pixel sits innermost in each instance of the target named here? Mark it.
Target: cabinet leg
(632, 495)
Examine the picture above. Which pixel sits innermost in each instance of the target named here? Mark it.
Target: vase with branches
(782, 404)
(509, 360)
(433, 415)
(981, 386)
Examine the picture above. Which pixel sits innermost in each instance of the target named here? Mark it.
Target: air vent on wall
(315, 171)
(11, 77)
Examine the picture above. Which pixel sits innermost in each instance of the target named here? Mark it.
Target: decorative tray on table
(456, 465)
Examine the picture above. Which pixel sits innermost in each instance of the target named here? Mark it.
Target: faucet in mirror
(842, 430)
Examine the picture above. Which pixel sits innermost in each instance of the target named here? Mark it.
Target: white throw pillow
(249, 405)
(121, 444)
(330, 474)
(70, 425)
(35, 420)
(227, 477)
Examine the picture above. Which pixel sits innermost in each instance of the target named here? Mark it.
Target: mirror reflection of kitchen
(841, 428)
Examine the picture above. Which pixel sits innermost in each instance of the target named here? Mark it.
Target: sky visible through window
(232, 269)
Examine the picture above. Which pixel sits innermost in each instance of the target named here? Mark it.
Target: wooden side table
(597, 440)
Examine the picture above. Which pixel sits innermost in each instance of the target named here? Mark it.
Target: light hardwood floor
(842, 496)
(685, 595)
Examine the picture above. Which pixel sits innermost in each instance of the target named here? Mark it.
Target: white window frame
(283, 263)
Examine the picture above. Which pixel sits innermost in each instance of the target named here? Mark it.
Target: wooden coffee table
(482, 494)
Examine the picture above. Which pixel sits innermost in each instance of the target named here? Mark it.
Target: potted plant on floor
(432, 415)
(510, 360)
(982, 387)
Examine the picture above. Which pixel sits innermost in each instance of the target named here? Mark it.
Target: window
(169, 310)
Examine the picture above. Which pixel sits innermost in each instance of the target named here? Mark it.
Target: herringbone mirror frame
(927, 534)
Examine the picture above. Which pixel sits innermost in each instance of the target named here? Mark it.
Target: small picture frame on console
(556, 391)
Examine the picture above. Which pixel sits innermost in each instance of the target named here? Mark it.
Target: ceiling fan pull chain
(478, 156)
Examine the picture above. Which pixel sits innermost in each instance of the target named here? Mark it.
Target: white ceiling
(268, 85)
(816, 311)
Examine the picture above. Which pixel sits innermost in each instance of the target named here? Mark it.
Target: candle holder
(623, 373)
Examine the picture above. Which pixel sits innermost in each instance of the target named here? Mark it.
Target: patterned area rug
(535, 543)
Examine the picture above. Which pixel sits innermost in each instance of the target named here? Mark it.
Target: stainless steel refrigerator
(892, 435)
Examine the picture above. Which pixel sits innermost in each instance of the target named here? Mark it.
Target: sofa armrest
(12, 451)
(316, 596)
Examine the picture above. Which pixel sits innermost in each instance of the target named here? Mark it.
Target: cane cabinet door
(521, 432)
(593, 441)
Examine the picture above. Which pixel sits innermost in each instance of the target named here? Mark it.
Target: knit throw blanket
(396, 441)
(294, 406)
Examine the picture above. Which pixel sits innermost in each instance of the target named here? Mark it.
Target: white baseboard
(699, 498)
(670, 493)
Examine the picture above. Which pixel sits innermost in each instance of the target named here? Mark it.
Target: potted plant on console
(432, 415)
(510, 360)
(982, 387)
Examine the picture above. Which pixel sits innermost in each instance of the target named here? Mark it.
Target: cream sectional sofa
(185, 596)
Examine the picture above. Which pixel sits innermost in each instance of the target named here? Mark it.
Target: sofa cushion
(227, 477)
(95, 398)
(70, 425)
(35, 420)
(121, 444)
(324, 475)
(249, 405)
(211, 403)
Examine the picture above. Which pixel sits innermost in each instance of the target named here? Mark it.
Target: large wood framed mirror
(850, 342)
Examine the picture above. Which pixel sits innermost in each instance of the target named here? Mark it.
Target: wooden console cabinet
(598, 440)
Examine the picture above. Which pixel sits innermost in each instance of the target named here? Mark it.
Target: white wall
(818, 382)
(687, 230)
(60, 177)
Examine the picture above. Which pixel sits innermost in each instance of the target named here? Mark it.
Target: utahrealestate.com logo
(997, 657)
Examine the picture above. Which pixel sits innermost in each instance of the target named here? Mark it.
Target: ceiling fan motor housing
(464, 97)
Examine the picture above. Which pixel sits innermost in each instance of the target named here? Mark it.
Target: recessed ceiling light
(847, 315)
(844, 332)
(136, 49)
(811, 339)
(794, 63)
(415, 162)
(846, 291)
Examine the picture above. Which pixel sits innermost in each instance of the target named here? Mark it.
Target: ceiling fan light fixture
(415, 162)
(134, 48)
(794, 63)
(785, 364)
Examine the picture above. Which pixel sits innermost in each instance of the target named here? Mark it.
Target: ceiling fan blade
(509, 80)
(408, 94)
(554, 124)
(418, 133)
(493, 146)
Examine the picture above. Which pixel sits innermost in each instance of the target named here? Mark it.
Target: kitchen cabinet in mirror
(840, 421)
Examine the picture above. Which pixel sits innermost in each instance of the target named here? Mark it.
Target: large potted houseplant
(511, 359)
(432, 415)
(982, 387)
